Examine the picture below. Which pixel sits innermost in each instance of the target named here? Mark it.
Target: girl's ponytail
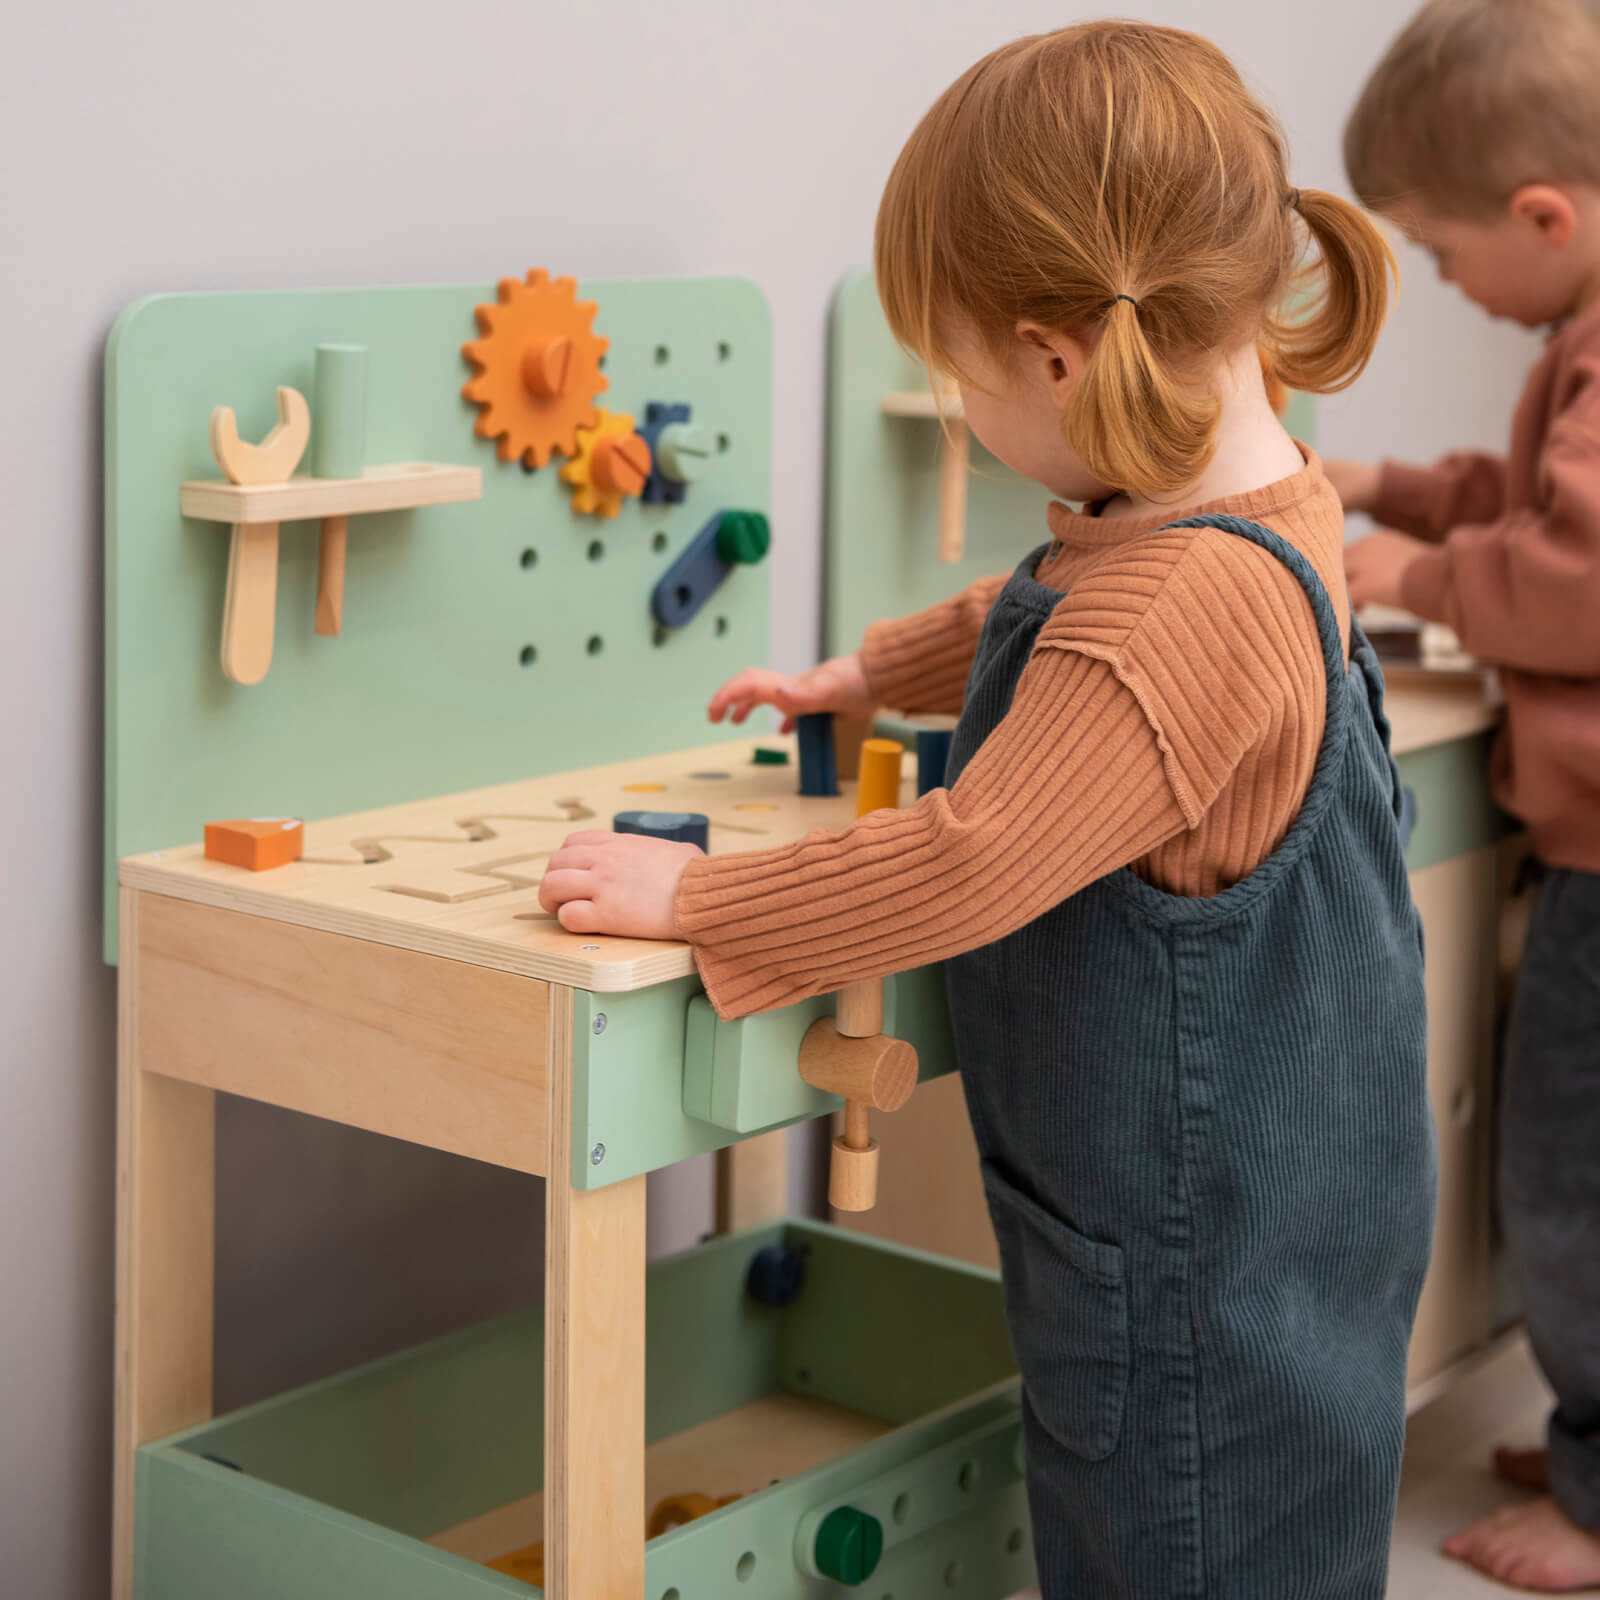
(1130, 420)
(1325, 348)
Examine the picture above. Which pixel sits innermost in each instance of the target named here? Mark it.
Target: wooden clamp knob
(848, 1054)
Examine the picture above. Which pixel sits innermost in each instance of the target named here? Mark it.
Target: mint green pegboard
(880, 558)
(426, 691)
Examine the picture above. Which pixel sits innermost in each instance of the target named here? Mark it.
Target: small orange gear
(537, 368)
(612, 463)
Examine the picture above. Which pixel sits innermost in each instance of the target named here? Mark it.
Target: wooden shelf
(399, 487)
(920, 403)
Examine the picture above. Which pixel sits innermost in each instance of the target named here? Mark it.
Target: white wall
(186, 144)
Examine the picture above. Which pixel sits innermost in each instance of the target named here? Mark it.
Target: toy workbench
(467, 590)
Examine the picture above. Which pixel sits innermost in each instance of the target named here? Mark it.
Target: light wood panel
(423, 876)
(1458, 900)
(739, 1452)
(593, 1362)
(165, 1248)
(419, 1048)
(401, 487)
(753, 1181)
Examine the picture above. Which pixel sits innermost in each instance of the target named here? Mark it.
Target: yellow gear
(612, 463)
(537, 368)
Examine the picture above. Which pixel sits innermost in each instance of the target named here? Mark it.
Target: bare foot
(1535, 1546)
(1526, 1468)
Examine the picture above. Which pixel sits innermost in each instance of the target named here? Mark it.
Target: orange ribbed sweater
(1168, 719)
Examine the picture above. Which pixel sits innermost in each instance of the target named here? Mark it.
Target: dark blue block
(818, 774)
(777, 1275)
(728, 539)
(681, 827)
(658, 488)
(933, 756)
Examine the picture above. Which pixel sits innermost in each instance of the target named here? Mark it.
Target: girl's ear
(1551, 212)
(1052, 359)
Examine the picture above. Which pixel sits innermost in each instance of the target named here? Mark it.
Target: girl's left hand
(624, 883)
(1374, 566)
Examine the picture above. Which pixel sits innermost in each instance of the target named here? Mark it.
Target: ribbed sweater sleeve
(920, 663)
(1428, 502)
(1072, 785)
(1523, 590)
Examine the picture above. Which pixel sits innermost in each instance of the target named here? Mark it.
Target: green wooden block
(633, 1064)
(482, 642)
(1455, 813)
(734, 1074)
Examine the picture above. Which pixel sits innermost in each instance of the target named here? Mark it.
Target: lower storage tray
(881, 1400)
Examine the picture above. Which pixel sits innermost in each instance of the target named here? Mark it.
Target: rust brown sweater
(1517, 575)
(1168, 719)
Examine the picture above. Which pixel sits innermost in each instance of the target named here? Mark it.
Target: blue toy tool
(681, 827)
(818, 773)
(679, 452)
(729, 539)
(933, 755)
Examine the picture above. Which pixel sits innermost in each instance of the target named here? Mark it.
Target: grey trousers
(1550, 1171)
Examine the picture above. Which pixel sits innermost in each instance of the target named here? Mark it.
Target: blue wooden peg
(818, 773)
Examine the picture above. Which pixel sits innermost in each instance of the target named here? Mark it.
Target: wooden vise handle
(849, 1054)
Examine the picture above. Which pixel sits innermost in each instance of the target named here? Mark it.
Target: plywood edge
(661, 964)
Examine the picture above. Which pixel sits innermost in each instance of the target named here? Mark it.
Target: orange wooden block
(256, 842)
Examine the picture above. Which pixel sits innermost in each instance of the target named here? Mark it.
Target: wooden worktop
(458, 876)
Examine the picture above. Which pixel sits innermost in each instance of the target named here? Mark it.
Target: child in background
(1479, 136)
(1166, 876)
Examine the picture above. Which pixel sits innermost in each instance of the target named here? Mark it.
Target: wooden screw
(546, 365)
(849, 1054)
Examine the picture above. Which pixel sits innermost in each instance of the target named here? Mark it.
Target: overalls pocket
(1067, 1308)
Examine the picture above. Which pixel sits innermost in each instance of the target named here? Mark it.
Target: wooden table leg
(165, 1252)
(593, 1362)
(753, 1182)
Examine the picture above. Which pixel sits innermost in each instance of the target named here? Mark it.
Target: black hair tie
(1293, 199)
(1116, 297)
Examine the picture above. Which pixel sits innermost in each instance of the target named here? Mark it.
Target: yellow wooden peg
(878, 787)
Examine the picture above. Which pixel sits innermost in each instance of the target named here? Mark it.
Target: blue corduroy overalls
(1209, 1159)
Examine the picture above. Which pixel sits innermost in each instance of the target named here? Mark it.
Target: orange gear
(537, 368)
(612, 462)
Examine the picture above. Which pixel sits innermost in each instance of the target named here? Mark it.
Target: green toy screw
(849, 1546)
(743, 536)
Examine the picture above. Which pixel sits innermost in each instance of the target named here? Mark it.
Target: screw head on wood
(597, 1155)
(599, 1023)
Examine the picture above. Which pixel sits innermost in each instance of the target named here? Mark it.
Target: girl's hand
(837, 685)
(1355, 482)
(625, 883)
(1375, 566)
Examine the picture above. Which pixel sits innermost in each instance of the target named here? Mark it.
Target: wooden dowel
(857, 1125)
(330, 576)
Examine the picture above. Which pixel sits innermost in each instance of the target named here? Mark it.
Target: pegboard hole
(659, 635)
(663, 355)
(953, 1574)
(595, 645)
(1014, 1540)
(746, 1568)
(671, 1594)
(723, 443)
(901, 1509)
(802, 1374)
(597, 549)
(721, 626)
(659, 543)
(528, 655)
(967, 1476)
(724, 350)
(530, 557)
(683, 594)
